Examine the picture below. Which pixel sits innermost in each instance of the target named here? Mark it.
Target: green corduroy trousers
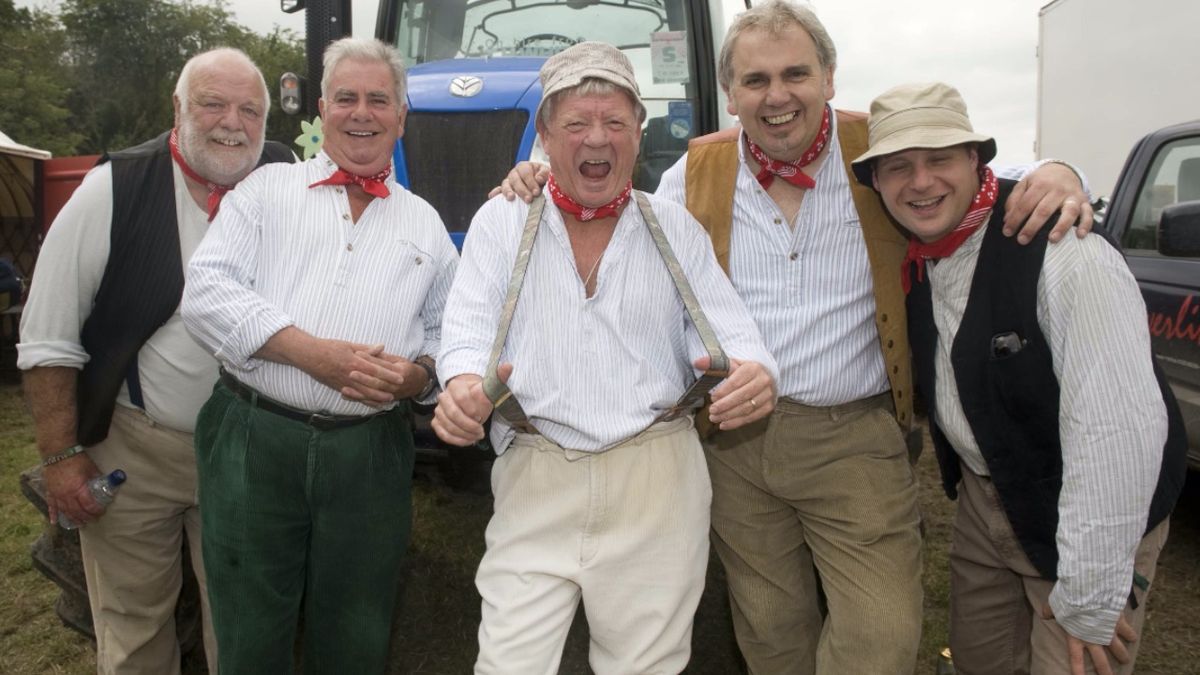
(299, 520)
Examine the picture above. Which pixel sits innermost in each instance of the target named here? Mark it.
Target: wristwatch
(426, 361)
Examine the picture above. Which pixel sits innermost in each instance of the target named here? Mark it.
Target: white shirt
(808, 283)
(176, 374)
(281, 254)
(1112, 419)
(590, 372)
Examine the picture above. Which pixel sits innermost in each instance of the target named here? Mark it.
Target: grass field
(439, 611)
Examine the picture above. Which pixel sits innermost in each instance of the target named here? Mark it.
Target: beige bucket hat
(925, 115)
(600, 60)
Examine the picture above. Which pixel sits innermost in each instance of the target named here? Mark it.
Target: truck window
(1173, 177)
(652, 33)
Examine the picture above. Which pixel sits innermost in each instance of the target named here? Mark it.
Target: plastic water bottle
(103, 490)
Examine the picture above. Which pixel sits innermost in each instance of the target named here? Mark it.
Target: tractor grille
(455, 158)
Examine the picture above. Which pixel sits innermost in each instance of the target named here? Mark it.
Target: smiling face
(778, 90)
(592, 141)
(361, 117)
(929, 191)
(222, 122)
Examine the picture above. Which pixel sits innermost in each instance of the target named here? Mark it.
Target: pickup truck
(1154, 213)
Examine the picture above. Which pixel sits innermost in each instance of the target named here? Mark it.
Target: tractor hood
(475, 84)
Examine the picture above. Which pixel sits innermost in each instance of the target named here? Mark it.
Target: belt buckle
(323, 421)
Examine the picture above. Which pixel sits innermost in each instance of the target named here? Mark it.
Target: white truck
(1110, 72)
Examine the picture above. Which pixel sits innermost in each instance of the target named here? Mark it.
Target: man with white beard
(113, 379)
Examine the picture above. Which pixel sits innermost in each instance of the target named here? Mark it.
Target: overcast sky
(986, 48)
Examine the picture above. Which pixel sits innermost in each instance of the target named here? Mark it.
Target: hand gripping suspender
(498, 393)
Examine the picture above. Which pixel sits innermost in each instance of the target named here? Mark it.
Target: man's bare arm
(51, 396)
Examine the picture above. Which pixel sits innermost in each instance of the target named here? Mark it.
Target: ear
(874, 178)
(175, 103)
(973, 155)
(828, 90)
(321, 108)
(403, 117)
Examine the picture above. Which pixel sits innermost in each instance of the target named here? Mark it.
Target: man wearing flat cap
(609, 302)
(1066, 466)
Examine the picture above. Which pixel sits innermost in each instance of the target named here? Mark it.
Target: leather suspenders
(507, 406)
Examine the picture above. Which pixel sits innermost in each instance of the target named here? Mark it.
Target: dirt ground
(438, 614)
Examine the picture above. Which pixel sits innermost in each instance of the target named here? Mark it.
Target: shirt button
(883, 318)
(419, 261)
(345, 216)
(889, 344)
(793, 256)
(338, 190)
(779, 221)
(349, 247)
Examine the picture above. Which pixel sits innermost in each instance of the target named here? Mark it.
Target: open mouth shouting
(595, 168)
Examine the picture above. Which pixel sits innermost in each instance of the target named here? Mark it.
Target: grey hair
(774, 17)
(591, 86)
(204, 59)
(364, 49)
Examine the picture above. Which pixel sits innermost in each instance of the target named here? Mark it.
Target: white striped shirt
(590, 372)
(807, 286)
(280, 254)
(1112, 420)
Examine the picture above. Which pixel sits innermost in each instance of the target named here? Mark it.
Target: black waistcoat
(143, 279)
(1012, 402)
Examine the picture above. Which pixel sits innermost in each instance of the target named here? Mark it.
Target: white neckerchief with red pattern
(790, 171)
(977, 213)
(586, 213)
(215, 190)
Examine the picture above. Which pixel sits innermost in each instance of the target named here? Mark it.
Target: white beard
(221, 167)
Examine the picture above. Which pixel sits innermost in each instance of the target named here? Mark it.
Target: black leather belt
(319, 421)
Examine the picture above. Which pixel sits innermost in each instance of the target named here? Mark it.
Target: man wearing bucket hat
(601, 489)
(1065, 466)
(819, 499)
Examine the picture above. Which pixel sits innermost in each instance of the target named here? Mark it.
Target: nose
(231, 117)
(596, 135)
(922, 178)
(777, 94)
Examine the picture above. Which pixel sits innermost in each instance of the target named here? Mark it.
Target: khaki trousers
(831, 489)
(626, 530)
(996, 595)
(132, 556)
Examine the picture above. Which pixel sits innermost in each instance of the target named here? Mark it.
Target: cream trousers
(624, 530)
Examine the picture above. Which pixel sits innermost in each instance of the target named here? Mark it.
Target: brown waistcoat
(711, 175)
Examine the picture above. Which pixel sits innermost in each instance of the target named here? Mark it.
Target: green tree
(127, 54)
(35, 80)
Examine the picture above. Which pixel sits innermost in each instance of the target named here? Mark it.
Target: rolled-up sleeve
(70, 266)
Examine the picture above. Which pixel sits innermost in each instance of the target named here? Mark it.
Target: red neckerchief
(919, 252)
(790, 171)
(372, 185)
(584, 213)
(215, 190)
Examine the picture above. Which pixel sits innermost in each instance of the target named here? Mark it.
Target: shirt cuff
(1095, 625)
(1078, 174)
(51, 354)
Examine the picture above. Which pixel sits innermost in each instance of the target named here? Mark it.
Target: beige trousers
(625, 530)
(996, 595)
(831, 490)
(132, 556)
